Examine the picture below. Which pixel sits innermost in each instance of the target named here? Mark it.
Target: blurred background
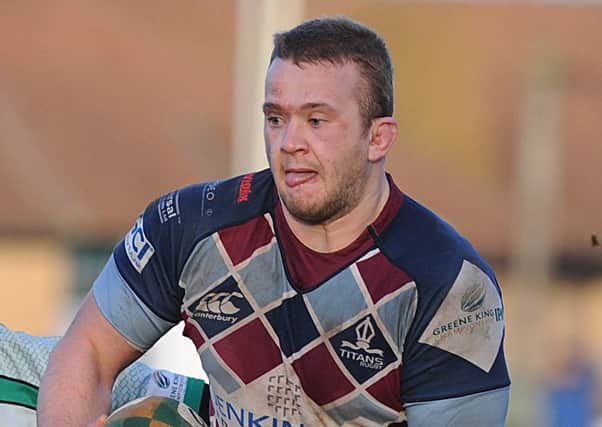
(105, 105)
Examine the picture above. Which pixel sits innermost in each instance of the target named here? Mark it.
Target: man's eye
(274, 120)
(316, 122)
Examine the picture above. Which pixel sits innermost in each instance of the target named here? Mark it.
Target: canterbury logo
(364, 333)
(219, 303)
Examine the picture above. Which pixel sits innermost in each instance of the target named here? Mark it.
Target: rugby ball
(155, 411)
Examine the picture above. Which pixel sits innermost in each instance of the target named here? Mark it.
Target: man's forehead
(324, 67)
(310, 82)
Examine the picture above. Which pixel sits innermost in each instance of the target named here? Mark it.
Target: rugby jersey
(408, 312)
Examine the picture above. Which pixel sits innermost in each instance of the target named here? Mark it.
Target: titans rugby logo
(363, 349)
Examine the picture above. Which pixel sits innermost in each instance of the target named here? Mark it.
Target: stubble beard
(339, 200)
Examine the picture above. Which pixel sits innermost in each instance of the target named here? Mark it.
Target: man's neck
(341, 232)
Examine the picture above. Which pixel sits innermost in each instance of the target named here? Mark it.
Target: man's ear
(382, 133)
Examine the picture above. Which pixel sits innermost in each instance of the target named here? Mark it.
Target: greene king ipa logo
(470, 320)
(473, 298)
(471, 303)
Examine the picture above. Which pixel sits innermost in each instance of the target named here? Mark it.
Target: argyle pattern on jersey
(341, 339)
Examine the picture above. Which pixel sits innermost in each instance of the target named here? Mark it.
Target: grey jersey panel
(482, 409)
(125, 311)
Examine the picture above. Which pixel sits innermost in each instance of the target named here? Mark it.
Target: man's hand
(100, 422)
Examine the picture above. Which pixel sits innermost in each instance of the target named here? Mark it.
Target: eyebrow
(270, 106)
(267, 106)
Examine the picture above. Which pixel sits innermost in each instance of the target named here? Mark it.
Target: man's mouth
(295, 177)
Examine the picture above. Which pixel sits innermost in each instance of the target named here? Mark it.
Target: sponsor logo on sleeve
(245, 188)
(208, 197)
(470, 321)
(168, 207)
(137, 247)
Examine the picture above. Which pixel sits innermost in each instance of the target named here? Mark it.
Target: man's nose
(293, 139)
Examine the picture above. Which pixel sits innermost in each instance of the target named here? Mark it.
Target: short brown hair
(339, 40)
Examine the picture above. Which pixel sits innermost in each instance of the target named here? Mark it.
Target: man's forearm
(72, 392)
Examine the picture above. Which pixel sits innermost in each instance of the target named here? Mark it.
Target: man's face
(315, 142)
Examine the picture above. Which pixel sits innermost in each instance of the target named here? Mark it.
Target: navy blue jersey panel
(441, 375)
(293, 324)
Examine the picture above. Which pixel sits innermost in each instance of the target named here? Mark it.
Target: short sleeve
(455, 345)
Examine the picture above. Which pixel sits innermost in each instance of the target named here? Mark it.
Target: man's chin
(313, 215)
(302, 211)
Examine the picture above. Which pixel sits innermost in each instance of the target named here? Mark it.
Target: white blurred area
(176, 353)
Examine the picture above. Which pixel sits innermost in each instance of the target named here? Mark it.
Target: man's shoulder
(458, 325)
(417, 236)
(202, 208)
(164, 236)
(427, 247)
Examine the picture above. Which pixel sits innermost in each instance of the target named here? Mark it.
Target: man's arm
(76, 388)
(23, 360)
